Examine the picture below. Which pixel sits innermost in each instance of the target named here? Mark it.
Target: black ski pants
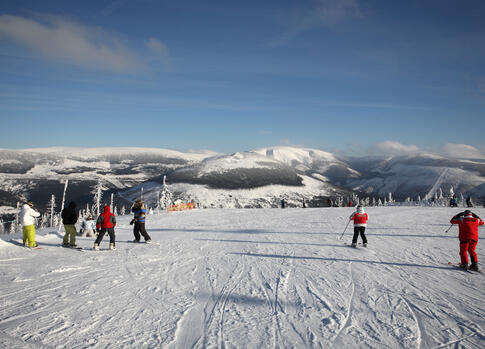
(140, 228)
(359, 231)
(110, 231)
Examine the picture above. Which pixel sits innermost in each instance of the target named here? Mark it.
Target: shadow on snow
(339, 260)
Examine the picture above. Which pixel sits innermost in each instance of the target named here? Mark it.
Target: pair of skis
(457, 266)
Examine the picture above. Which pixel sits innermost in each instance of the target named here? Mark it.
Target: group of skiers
(467, 221)
(105, 223)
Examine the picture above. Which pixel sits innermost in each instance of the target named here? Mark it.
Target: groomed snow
(267, 278)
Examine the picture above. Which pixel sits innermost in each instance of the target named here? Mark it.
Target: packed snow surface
(255, 278)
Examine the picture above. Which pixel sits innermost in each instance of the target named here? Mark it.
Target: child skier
(27, 217)
(360, 219)
(139, 219)
(106, 222)
(88, 227)
(468, 223)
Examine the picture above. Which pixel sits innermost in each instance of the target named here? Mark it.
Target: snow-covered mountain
(424, 175)
(243, 179)
(257, 178)
(39, 173)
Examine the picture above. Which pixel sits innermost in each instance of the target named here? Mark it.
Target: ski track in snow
(251, 278)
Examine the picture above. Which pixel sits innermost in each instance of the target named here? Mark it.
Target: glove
(132, 221)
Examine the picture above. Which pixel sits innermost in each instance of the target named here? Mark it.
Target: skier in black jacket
(69, 219)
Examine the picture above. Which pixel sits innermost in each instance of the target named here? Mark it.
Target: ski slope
(255, 278)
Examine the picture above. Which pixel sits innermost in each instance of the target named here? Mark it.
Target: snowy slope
(418, 175)
(248, 279)
(312, 161)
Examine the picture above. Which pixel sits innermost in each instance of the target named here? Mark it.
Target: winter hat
(467, 212)
(360, 209)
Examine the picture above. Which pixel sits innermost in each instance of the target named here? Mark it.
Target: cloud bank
(396, 149)
(450, 150)
(463, 151)
(66, 41)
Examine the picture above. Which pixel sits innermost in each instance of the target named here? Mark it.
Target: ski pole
(344, 230)
(447, 230)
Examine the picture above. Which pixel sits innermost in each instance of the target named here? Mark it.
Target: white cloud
(70, 42)
(463, 151)
(159, 49)
(322, 13)
(396, 148)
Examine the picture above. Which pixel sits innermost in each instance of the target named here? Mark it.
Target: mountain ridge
(294, 173)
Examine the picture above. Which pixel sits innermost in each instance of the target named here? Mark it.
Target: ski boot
(364, 244)
(473, 266)
(463, 266)
(148, 241)
(96, 247)
(136, 241)
(112, 246)
(354, 244)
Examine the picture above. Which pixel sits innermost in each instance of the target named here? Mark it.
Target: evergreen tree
(166, 196)
(98, 194)
(52, 212)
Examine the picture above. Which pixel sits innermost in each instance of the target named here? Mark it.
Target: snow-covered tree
(56, 220)
(52, 212)
(44, 220)
(166, 196)
(2, 229)
(98, 194)
(379, 202)
(452, 192)
(123, 210)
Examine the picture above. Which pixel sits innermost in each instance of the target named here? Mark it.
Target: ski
(457, 266)
(71, 247)
(350, 245)
(142, 242)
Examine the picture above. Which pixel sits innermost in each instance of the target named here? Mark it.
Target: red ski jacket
(468, 227)
(360, 219)
(106, 219)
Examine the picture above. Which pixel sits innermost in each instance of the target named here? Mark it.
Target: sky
(337, 75)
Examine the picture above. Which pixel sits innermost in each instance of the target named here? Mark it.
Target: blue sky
(342, 75)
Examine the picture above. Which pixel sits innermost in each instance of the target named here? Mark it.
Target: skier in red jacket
(360, 221)
(468, 223)
(106, 222)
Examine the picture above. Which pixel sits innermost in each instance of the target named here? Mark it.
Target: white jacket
(88, 224)
(27, 215)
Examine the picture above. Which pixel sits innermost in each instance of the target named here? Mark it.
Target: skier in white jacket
(88, 227)
(27, 217)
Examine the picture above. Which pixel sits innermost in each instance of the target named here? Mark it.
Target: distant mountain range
(258, 178)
